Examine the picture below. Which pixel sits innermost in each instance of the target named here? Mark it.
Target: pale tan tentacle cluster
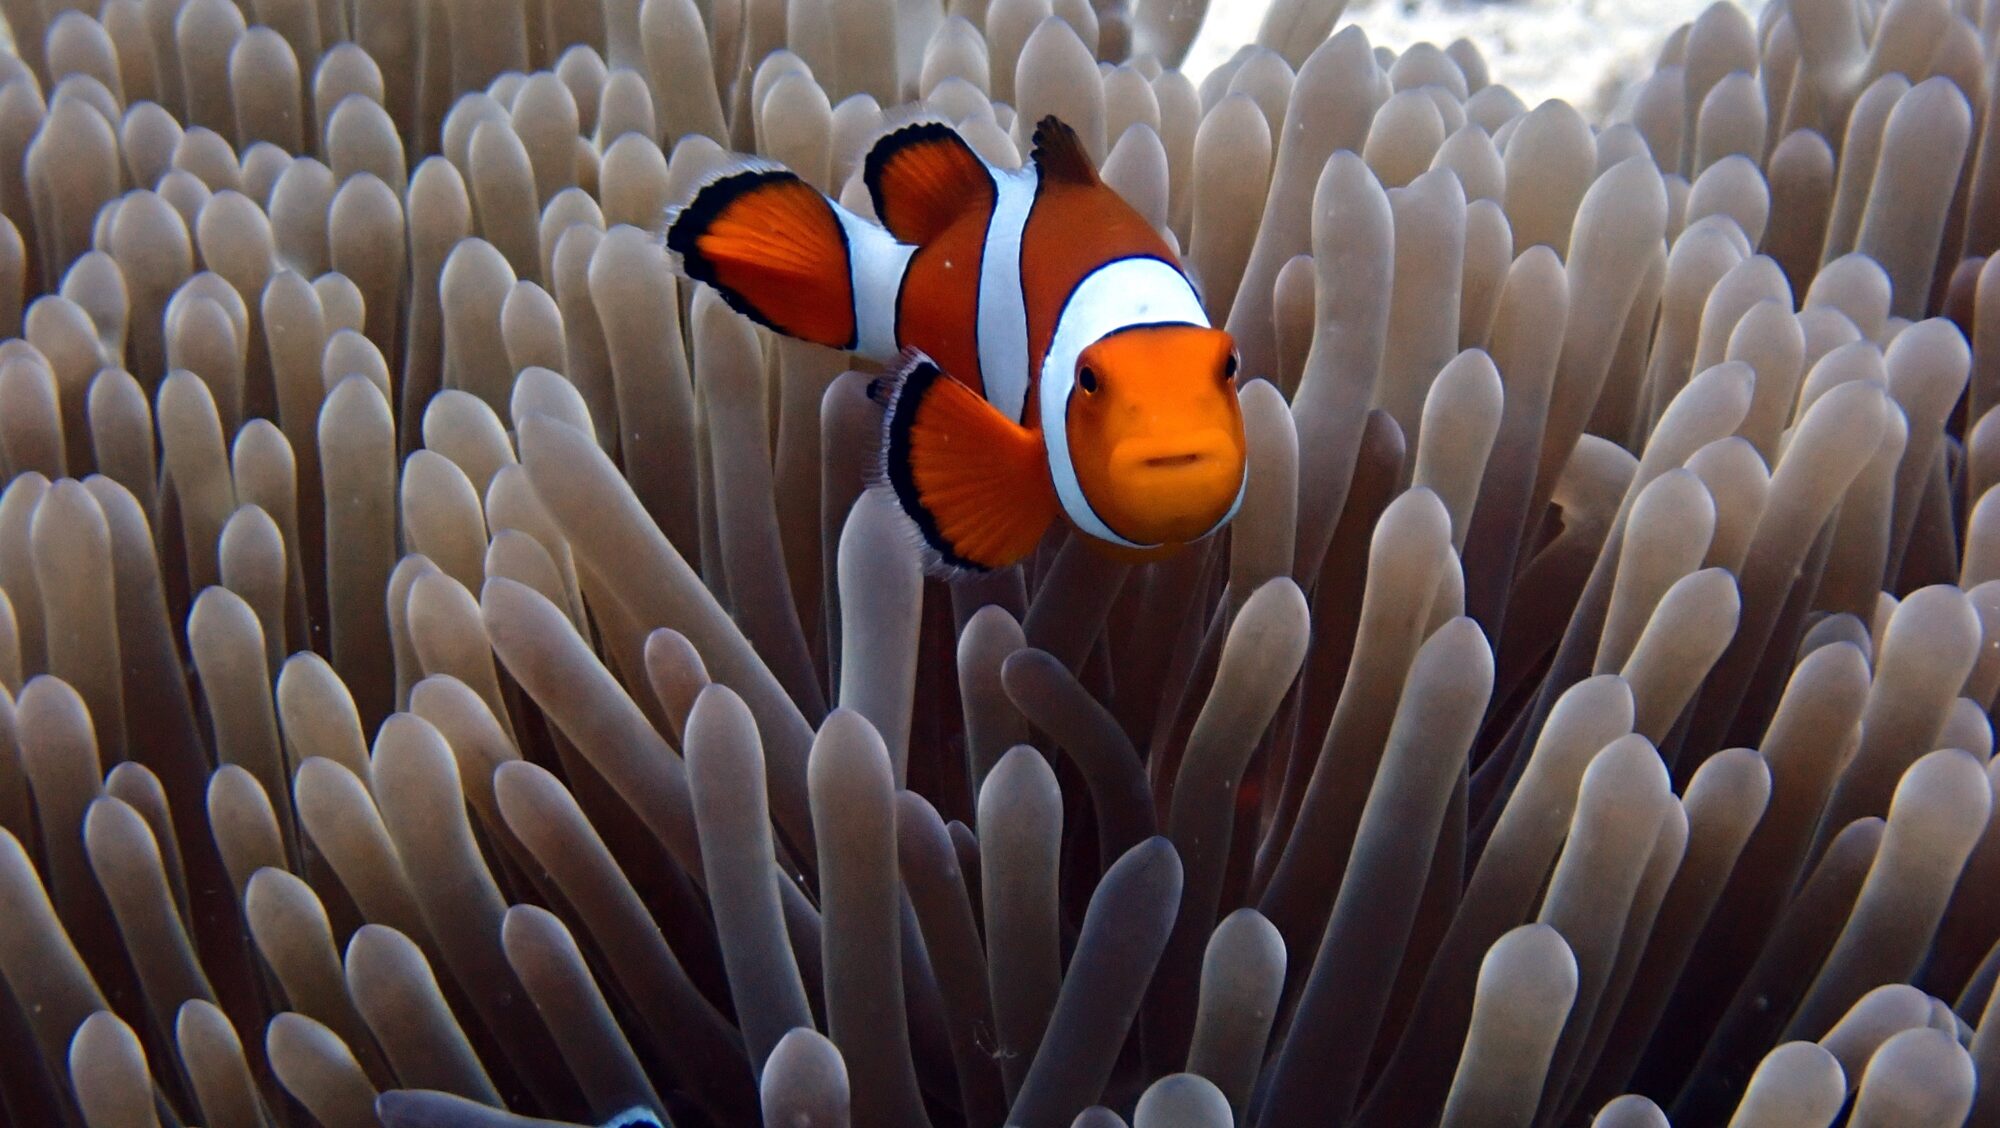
(448, 656)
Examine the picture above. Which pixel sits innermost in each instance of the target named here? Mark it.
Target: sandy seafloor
(1576, 50)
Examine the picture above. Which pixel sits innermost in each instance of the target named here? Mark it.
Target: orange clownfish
(1051, 356)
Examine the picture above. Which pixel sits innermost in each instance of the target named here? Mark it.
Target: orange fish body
(1053, 360)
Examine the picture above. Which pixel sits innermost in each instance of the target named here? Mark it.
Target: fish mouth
(1178, 455)
(1170, 488)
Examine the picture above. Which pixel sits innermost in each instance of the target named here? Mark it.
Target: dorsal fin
(1059, 153)
(923, 176)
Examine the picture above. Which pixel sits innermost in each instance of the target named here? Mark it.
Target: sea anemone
(457, 672)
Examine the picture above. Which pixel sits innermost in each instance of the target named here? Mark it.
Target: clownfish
(1050, 356)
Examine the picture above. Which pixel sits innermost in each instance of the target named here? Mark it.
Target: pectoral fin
(974, 482)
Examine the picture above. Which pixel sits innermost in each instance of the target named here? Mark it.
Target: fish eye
(1087, 380)
(1229, 366)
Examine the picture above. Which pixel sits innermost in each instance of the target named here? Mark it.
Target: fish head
(1155, 431)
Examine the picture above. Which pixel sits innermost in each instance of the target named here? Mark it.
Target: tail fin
(775, 248)
(788, 258)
